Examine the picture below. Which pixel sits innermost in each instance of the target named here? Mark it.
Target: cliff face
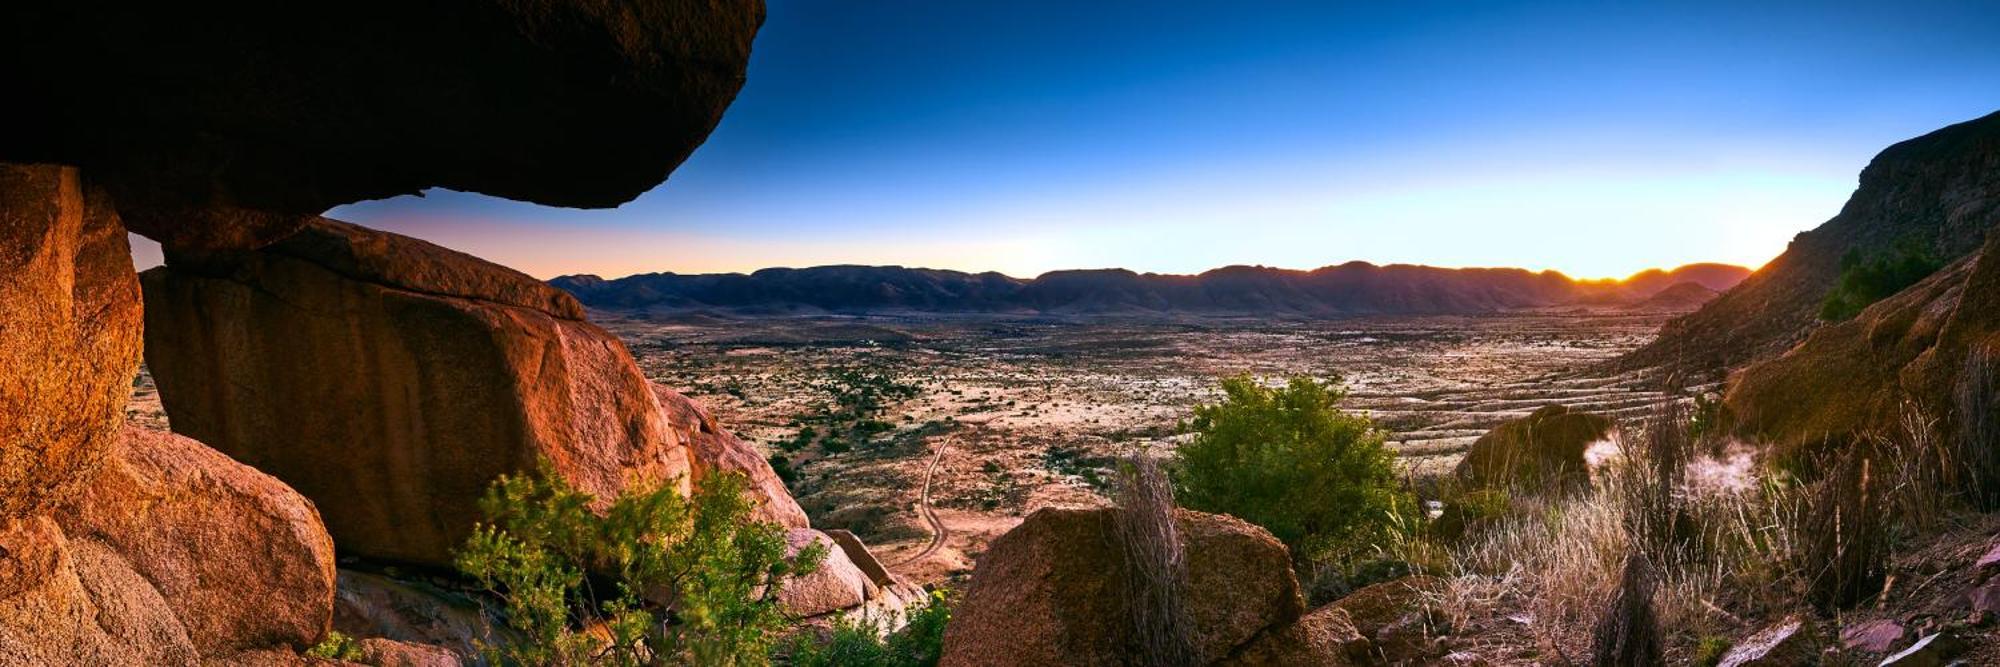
(1941, 190)
(1353, 288)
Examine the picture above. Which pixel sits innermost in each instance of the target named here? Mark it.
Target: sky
(1598, 139)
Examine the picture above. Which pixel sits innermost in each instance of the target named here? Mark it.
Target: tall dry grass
(1156, 564)
(1977, 399)
(1628, 634)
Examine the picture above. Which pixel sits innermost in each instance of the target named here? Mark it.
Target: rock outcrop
(174, 554)
(205, 530)
(1544, 450)
(234, 125)
(1941, 190)
(1854, 377)
(1052, 591)
(391, 380)
(69, 334)
(714, 450)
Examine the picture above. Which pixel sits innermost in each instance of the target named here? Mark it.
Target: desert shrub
(1155, 562)
(1843, 533)
(1710, 650)
(1628, 633)
(579, 584)
(336, 646)
(1978, 444)
(1288, 459)
(860, 642)
(1864, 281)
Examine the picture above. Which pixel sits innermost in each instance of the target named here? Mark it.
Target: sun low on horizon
(1176, 138)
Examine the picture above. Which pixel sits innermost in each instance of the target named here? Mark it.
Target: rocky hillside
(1940, 190)
(1347, 289)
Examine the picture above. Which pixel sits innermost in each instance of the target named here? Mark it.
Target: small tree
(581, 586)
(1290, 460)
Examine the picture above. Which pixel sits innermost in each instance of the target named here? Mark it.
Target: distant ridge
(1354, 288)
(1940, 190)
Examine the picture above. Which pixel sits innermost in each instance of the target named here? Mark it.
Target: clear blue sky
(1596, 138)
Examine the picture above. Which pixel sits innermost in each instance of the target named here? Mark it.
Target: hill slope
(1346, 289)
(1941, 190)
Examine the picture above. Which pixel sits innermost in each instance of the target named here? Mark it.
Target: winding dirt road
(938, 530)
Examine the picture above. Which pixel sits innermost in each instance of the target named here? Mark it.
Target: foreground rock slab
(69, 334)
(1790, 642)
(1052, 591)
(391, 380)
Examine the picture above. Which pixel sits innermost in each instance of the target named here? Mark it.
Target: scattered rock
(1876, 636)
(1989, 563)
(241, 559)
(836, 585)
(1934, 650)
(274, 116)
(379, 652)
(1326, 636)
(1984, 599)
(714, 449)
(69, 334)
(1052, 591)
(373, 605)
(1792, 641)
(1378, 606)
(1543, 450)
(391, 381)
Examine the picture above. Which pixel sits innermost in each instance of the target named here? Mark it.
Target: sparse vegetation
(1977, 399)
(336, 646)
(1288, 459)
(861, 643)
(1628, 633)
(652, 578)
(1864, 281)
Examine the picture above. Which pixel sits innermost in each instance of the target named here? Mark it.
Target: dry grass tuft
(1844, 532)
(1156, 563)
(1628, 633)
(1978, 402)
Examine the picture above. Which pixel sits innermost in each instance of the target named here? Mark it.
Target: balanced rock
(1544, 450)
(241, 559)
(391, 380)
(715, 450)
(1053, 591)
(69, 334)
(236, 124)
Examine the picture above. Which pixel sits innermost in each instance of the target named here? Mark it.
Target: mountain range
(1354, 288)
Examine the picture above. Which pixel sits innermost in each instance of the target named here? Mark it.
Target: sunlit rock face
(231, 125)
(1941, 190)
(69, 333)
(1858, 377)
(391, 380)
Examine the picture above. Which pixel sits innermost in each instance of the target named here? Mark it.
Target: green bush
(861, 644)
(579, 585)
(1290, 460)
(1865, 281)
(336, 646)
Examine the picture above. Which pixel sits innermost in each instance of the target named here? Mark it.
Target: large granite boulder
(1855, 377)
(69, 334)
(391, 381)
(230, 125)
(1052, 591)
(1542, 451)
(80, 603)
(241, 558)
(173, 555)
(715, 450)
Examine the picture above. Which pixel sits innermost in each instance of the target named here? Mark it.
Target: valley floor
(1032, 410)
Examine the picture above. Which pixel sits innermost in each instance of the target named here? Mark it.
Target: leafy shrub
(580, 585)
(859, 643)
(336, 646)
(1865, 281)
(1290, 460)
